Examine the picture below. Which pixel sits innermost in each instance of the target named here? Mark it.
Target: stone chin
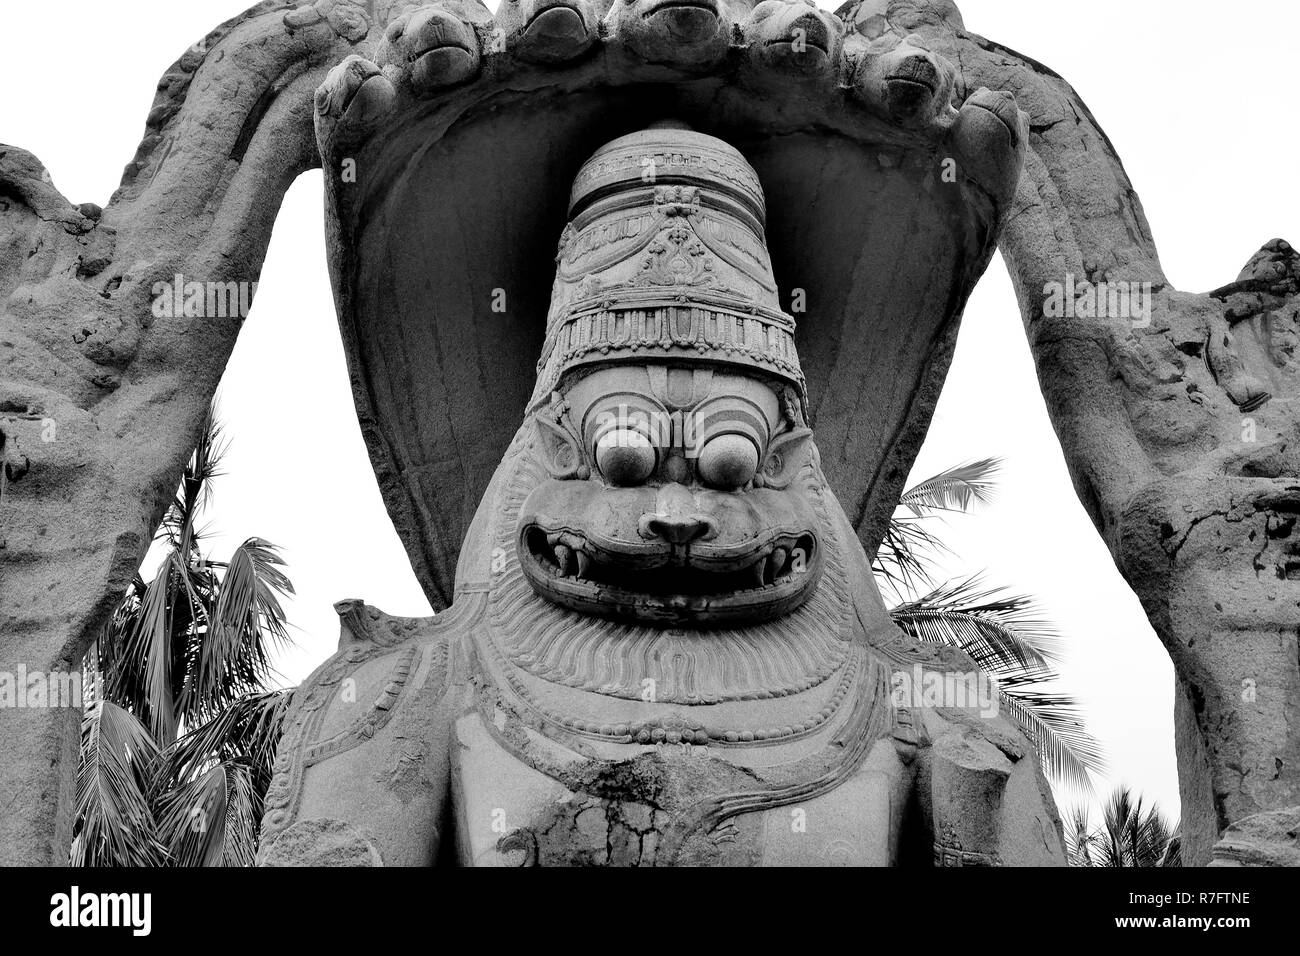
(683, 32)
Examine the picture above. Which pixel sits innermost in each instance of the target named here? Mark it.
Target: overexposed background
(1200, 105)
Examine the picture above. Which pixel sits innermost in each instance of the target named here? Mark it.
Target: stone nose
(675, 518)
(677, 529)
(434, 28)
(919, 68)
(811, 29)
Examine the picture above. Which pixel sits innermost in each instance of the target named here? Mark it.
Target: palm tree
(1129, 835)
(1005, 634)
(178, 742)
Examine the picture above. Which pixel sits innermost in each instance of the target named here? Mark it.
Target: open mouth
(568, 555)
(671, 587)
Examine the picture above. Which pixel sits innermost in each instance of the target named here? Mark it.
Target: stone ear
(786, 454)
(561, 451)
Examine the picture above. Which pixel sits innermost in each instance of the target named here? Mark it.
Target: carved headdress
(664, 257)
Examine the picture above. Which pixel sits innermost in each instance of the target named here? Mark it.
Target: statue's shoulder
(380, 663)
(376, 714)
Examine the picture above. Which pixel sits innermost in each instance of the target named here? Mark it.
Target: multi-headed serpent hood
(450, 158)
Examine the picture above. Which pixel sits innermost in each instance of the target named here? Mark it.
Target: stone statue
(665, 645)
(658, 640)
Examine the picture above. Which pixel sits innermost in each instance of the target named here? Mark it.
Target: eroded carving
(665, 642)
(578, 661)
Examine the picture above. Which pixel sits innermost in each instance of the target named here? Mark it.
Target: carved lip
(554, 8)
(912, 81)
(672, 586)
(439, 45)
(808, 42)
(703, 5)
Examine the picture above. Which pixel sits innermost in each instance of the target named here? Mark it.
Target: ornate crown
(664, 259)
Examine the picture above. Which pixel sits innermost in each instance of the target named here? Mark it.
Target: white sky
(1199, 101)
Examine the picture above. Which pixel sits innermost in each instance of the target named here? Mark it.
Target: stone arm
(983, 799)
(1179, 427)
(980, 797)
(103, 388)
(362, 773)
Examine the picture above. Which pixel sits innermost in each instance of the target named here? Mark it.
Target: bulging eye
(625, 457)
(728, 461)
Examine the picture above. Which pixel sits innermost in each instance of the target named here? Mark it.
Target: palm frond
(1132, 834)
(149, 650)
(1008, 638)
(244, 806)
(107, 655)
(114, 824)
(195, 490)
(232, 657)
(957, 489)
(1053, 725)
(1006, 634)
(1117, 816)
(1154, 837)
(905, 559)
(189, 649)
(213, 819)
(1078, 836)
(248, 730)
(1173, 854)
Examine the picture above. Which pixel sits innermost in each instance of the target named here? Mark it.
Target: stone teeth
(564, 558)
(756, 570)
(776, 564)
(584, 563)
(778, 561)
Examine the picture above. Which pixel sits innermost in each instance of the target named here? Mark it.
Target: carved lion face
(797, 36)
(550, 31)
(689, 31)
(438, 44)
(911, 83)
(677, 495)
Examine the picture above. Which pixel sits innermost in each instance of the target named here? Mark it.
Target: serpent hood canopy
(448, 174)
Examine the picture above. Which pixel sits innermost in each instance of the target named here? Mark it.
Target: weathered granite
(101, 401)
(1180, 431)
(1265, 839)
(664, 645)
(447, 139)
